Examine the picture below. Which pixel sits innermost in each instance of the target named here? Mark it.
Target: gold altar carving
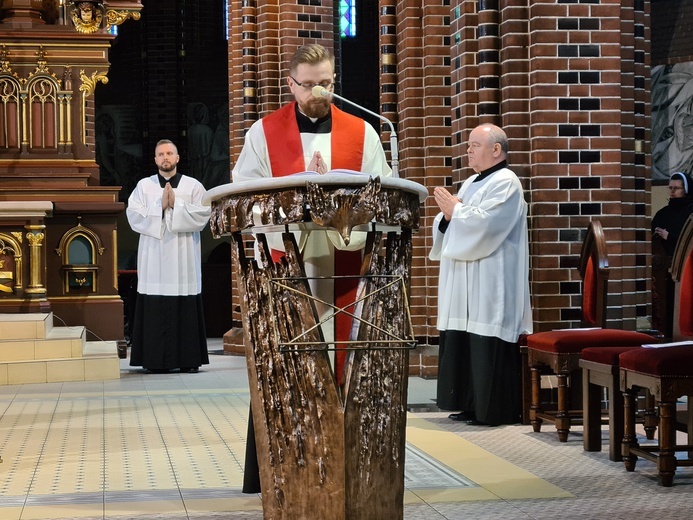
(118, 17)
(86, 16)
(10, 264)
(325, 451)
(89, 82)
(35, 237)
(35, 110)
(87, 89)
(47, 156)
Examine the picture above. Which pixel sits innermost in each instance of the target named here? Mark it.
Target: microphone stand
(319, 91)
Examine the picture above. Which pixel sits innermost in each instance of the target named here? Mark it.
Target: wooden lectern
(325, 451)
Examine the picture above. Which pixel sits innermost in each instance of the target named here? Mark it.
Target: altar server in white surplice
(166, 210)
(481, 239)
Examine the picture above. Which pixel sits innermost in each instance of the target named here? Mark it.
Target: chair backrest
(682, 274)
(594, 270)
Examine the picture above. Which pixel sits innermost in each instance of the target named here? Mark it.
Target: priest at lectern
(311, 134)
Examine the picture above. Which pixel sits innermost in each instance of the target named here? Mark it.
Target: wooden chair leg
(562, 414)
(616, 420)
(591, 414)
(689, 424)
(666, 461)
(629, 438)
(535, 407)
(649, 416)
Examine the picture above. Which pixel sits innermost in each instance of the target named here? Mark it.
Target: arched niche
(80, 249)
(10, 265)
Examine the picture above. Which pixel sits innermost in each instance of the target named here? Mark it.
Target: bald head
(488, 146)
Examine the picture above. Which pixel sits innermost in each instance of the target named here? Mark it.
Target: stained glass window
(347, 18)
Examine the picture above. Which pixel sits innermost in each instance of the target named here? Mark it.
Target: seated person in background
(668, 221)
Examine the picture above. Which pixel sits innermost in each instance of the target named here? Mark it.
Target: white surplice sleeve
(253, 161)
(188, 213)
(144, 210)
(479, 227)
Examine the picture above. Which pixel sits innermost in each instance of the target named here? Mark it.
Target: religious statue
(87, 16)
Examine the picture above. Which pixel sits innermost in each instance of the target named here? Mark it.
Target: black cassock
(480, 374)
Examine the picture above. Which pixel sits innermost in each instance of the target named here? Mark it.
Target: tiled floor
(171, 446)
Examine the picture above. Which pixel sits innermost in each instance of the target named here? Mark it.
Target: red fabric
(346, 263)
(286, 151)
(589, 294)
(686, 299)
(604, 355)
(277, 255)
(573, 341)
(286, 157)
(665, 361)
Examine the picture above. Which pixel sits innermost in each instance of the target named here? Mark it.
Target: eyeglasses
(675, 188)
(327, 85)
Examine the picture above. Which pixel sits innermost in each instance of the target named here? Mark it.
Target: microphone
(319, 92)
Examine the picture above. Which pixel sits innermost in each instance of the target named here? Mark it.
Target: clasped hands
(661, 232)
(317, 164)
(168, 198)
(446, 201)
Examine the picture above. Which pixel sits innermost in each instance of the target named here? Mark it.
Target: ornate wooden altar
(52, 57)
(325, 452)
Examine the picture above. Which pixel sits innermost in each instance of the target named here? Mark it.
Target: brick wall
(570, 96)
(673, 37)
(423, 108)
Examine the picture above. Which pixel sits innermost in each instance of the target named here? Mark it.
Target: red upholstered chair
(600, 370)
(667, 372)
(558, 352)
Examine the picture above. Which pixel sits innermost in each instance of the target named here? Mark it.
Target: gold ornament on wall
(87, 89)
(118, 17)
(86, 16)
(89, 83)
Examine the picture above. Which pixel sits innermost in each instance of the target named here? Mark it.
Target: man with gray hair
(480, 238)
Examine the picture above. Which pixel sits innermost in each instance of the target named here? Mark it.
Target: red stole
(285, 148)
(286, 157)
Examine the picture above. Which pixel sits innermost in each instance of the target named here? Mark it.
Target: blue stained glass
(347, 18)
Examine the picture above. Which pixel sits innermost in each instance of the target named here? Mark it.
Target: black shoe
(189, 370)
(474, 422)
(157, 370)
(462, 416)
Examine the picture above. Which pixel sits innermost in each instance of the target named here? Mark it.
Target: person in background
(481, 239)
(668, 222)
(667, 225)
(166, 209)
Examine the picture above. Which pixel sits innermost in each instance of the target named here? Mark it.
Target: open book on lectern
(331, 172)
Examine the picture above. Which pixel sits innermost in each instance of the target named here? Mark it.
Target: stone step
(32, 350)
(25, 326)
(58, 343)
(99, 361)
